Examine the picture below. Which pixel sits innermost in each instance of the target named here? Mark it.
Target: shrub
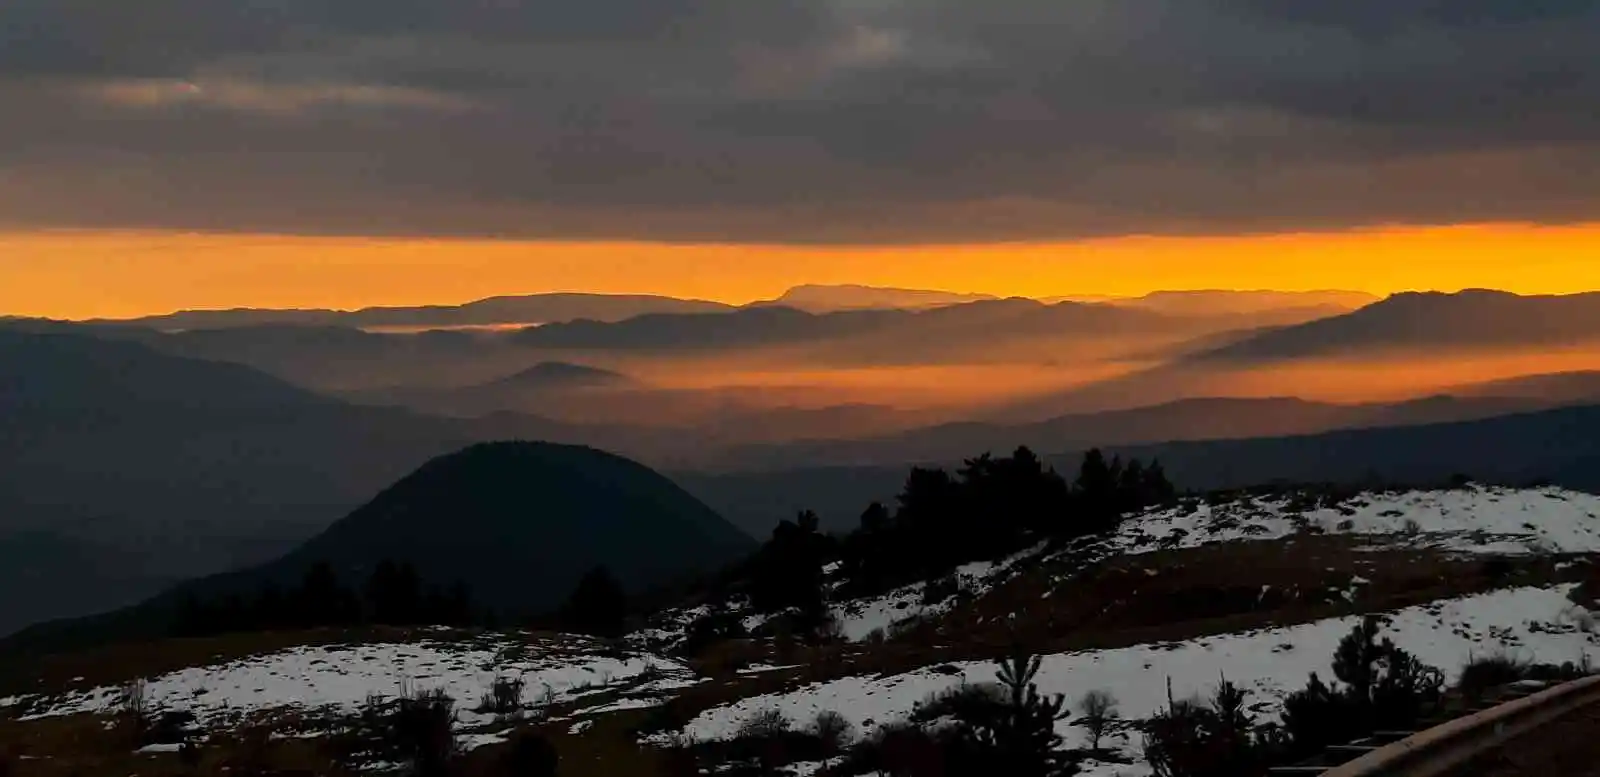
(1561, 673)
(416, 729)
(766, 724)
(531, 755)
(901, 749)
(712, 629)
(504, 696)
(421, 730)
(1486, 673)
(762, 744)
(830, 630)
(939, 590)
(834, 730)
(1099, 713)
(1215, 738)
(1016, 736)
(1384, 687)
(169, 728)
(136, 713)
(1318, 716)
(966, 700)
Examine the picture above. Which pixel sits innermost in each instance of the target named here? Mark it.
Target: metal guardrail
(1447, 747)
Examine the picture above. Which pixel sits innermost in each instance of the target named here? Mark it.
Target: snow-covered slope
(1473, 519)
(1536, 624)
(338, 679)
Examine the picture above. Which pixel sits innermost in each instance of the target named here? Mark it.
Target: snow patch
(1475, 519)
(339, 679)
(1268, 663)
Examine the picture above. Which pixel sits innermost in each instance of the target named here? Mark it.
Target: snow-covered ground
(1474, 519)
(1537, 624)
(859, 618)
(339, 679)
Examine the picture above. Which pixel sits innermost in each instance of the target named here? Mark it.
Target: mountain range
(1560, 446)
(134, 458)
(532, 309)
(495, 311)
(182, 466)
(1472, 319)
(1208, 418)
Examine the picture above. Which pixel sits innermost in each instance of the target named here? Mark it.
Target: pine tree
(598, 606)
(1355, 661)
(875, 518)
(1157, 488)
(394, 594)
(1016, 736)
(322, 602)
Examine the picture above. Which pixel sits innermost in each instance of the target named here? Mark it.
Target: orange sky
(112, 274)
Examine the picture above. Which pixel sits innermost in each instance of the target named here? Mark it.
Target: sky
(513, 135)
(118, 275)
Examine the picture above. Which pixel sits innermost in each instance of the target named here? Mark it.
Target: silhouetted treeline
(991, 507)
(988, 508)
(598, 606)
(393, 595)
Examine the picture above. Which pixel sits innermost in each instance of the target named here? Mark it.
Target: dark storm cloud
(789, 120)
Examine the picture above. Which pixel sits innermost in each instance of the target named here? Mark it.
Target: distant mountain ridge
(1473, 318)
(1560, 446)
(562, 307)
(559, 375)
(1206, 418)
(774, 325)
(1221, 301)
(509, 310)
(820, 298)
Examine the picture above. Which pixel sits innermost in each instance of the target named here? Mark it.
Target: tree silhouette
(598, 606)
(786, 573)
(1014, 733)
(394, 594)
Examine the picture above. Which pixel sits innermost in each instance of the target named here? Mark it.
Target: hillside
(817, 298)
(1256, 587)
(511, 311)
(1212, 418)
(878, 336)
(1566, 387)
(186, 467)
(1465, 320)
(520, 523)
(1228, 301)
(535, 387)
(559, 375)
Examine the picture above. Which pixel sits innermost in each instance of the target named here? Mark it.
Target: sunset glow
(115, 274)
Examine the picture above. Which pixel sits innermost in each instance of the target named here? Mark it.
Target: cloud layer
(783, 120)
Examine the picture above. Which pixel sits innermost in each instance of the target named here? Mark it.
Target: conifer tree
(598, 606)
(1017, 734)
